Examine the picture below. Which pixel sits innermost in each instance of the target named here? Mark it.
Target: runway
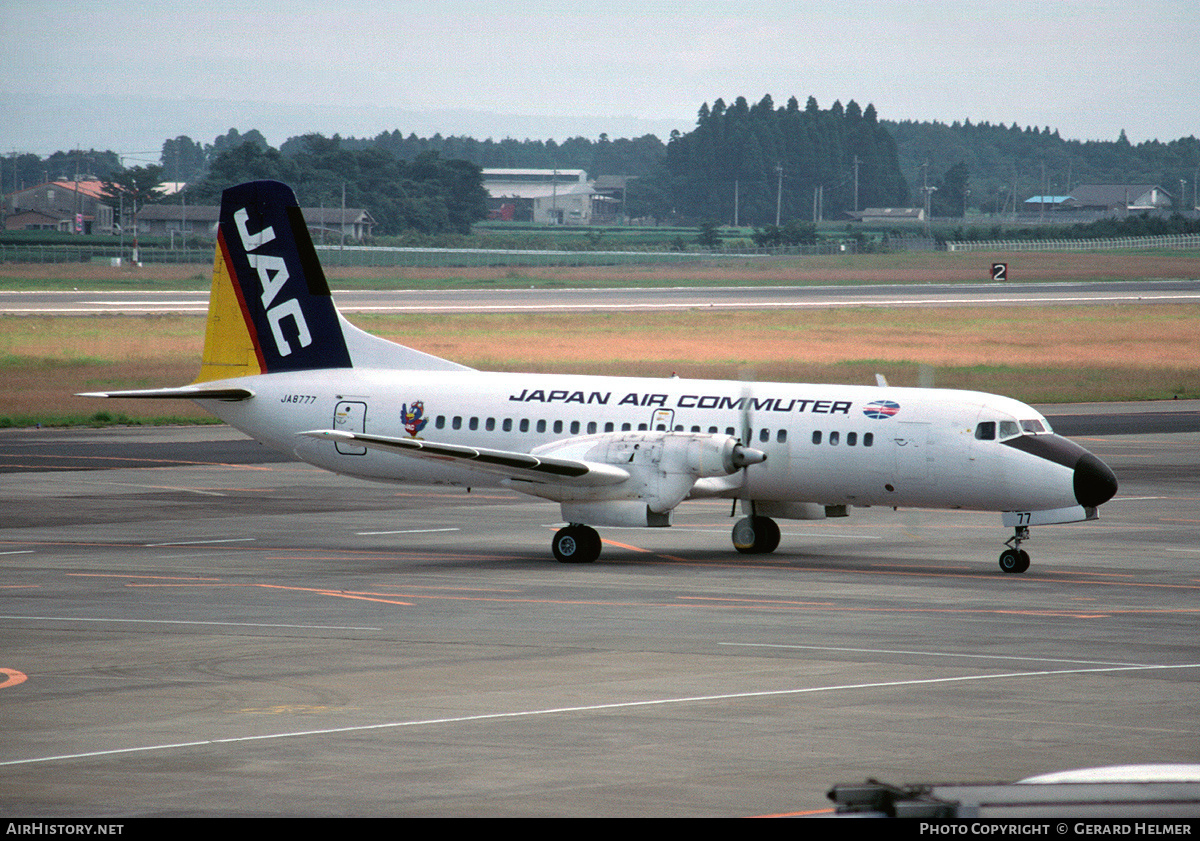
(541, 299)
(227, 635)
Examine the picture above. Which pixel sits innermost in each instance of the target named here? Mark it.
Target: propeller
(747, 454)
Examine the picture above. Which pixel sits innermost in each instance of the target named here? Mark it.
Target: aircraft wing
(186, 392)
(523, 466)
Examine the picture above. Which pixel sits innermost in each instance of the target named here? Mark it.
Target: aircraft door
(662, 420)
(914, 452)
(350, 416)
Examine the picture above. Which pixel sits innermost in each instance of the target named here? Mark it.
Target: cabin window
(712, 430)
(781, 436)
(489, 424)
(574, 427)
(851, 439)
(641, 427)
(816, 436)
(524, 425)
(608, 427)
(626, 427)
(473, 424)
(729, 430)
(868, 439)
(833, 439)
(456, 423)
(541, 426)
(764, 435)
(439, 422)
(986, 431)
(507, 426)
(591, 427)
(558, 426)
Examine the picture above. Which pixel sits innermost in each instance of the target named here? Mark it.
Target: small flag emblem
(881, 409)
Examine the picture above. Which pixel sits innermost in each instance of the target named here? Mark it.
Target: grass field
(1051, 354)
(1062, 354)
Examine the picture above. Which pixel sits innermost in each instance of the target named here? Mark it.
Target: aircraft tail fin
(270, 309)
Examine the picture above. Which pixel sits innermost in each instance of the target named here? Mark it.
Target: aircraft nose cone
(1095, 483)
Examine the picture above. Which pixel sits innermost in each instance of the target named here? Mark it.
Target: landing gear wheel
(576, 544)
(756, 535)
(1014, 560)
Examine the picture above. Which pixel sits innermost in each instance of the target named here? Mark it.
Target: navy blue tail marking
(282, 289)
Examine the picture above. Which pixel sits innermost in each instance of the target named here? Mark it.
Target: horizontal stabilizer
(186, 392)
(503, 462)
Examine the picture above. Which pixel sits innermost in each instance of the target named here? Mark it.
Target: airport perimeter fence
(1169, 241)
(101, 254)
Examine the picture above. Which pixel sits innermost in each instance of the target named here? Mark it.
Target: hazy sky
(126, 75)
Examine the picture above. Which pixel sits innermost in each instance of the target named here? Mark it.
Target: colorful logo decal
(881, 409)
(414, 419)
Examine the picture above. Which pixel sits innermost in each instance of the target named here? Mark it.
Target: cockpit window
(1009, 429)
(986, 431)
(1033, 426)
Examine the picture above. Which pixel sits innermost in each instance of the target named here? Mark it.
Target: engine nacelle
(662, 466)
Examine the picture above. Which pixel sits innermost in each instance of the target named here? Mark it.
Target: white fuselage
(826, 444)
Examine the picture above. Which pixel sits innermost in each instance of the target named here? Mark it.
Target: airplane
(281, 364)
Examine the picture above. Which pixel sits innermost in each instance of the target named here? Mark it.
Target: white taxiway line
(588, 708)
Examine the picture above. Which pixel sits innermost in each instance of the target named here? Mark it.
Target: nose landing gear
(1015, 559)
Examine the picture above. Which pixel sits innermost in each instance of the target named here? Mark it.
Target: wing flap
(524, 466)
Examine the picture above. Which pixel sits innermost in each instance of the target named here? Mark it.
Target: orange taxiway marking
(12, 677)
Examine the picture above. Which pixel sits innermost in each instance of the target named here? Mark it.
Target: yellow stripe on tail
(228, 346)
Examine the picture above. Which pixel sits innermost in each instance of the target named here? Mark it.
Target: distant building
(69, 206)
(608, 202)
(1120, 198)
(888, 215)
(541, 196)
(1037, 204)
(326, 224)
(162, 220)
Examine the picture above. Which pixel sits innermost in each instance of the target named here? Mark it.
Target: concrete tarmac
(216, 635)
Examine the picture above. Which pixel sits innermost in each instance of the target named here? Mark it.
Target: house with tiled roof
(69, 206)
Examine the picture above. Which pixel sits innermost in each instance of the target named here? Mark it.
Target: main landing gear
(755, 535)
(1015, 559)
(576, 544)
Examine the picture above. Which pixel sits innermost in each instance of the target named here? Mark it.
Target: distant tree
(131, 189)
(708, 236)
(65, 166)
(950, 198)
(182, 159)
(247, 162)
(232, 139)
(768, 160)
(794, 232)
(21, 171)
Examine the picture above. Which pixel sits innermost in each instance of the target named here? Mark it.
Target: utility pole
(856, 163)
(778, 192)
